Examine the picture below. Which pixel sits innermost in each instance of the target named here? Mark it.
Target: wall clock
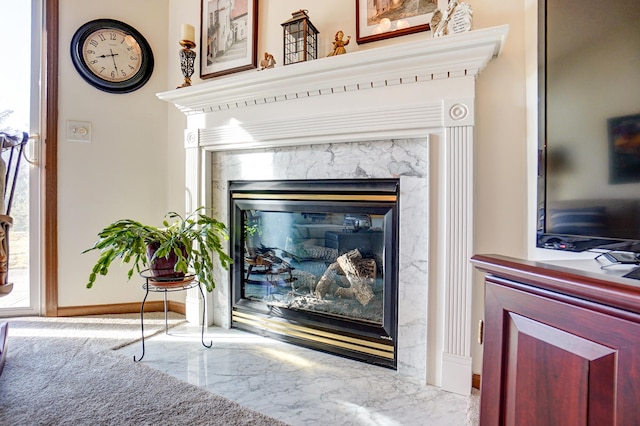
(111, 56)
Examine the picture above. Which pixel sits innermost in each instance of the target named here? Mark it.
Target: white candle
(188, 32)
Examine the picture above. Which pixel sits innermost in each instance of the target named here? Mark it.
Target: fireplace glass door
(329, 262)
(317, 256)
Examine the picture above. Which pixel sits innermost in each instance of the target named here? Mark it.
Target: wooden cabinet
(561, 345)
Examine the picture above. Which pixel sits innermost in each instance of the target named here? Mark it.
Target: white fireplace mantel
(464, 54)
(400, 89)
(420, 89)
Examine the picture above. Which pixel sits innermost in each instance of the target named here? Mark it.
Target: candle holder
(300, 39)
(187, 60)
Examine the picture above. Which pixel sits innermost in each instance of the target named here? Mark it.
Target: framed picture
(624, 149)
(382, 19)
(228, 39)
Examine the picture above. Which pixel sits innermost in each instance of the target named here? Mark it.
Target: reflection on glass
(329, 263)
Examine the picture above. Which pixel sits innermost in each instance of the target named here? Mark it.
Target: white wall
(121, 172)
(129, 152)
(501, 169)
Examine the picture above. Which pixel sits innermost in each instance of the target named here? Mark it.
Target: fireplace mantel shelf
(451, 56)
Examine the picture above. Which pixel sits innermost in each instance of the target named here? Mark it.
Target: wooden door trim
(50, 184)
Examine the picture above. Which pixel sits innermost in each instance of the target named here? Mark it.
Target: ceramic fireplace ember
(314, 264)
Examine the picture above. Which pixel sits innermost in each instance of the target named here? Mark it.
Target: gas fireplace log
(350, 276)
(303, 280)
(361, 274)
(302, 251)
(353, 264)
(360, 290)
(329, 282)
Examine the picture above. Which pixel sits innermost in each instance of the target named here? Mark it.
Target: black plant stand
(168, 285)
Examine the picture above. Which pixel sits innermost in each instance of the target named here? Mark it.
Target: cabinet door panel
(549, 362)
(553, 369)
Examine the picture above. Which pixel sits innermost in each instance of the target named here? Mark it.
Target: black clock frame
(138, 80)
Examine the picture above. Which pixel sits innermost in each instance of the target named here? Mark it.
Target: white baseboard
(456, 373)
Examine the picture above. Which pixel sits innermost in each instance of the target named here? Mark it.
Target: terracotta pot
(164, 267)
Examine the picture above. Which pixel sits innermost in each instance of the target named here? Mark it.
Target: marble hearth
(402, 111)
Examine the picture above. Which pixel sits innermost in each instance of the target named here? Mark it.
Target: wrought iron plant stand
(168, 285)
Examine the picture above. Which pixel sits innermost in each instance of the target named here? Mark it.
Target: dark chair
(3, 344)
(11, 147)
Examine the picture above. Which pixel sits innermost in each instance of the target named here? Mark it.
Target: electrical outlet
(78, 131)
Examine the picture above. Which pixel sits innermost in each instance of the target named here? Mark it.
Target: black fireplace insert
(315, 264)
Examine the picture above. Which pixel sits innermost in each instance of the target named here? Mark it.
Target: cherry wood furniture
(561, 344)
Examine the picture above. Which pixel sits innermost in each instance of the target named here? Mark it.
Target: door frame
(50, 175)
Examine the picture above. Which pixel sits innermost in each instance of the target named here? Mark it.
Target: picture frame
(402, 19)
(624, 149)
(228, 37)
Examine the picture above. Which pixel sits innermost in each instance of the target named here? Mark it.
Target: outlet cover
(78, 131)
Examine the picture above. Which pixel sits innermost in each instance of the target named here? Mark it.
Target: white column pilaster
(193, 161)
(457, 247)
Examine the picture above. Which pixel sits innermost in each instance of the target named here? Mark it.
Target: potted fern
(169, 252)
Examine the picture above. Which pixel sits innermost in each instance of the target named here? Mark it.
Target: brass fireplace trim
(307, 333)
(317, 197)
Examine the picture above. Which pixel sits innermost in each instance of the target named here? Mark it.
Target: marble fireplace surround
(405, 111)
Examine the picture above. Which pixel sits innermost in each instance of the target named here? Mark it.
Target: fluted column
(457, 245)
(193, 166)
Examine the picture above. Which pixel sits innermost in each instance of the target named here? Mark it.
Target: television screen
(589, 174)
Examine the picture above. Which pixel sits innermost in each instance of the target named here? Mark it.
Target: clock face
(111, 56)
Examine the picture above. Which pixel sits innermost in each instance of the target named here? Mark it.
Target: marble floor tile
(297, 385)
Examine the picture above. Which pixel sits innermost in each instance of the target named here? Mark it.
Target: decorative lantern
(300, 38)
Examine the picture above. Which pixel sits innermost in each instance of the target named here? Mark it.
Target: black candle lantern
(300, 38)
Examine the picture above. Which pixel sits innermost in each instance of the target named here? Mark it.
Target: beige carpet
(63, 371)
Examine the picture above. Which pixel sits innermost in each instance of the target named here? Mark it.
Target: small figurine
(456, 19)
(339, 44)
(267, 62)
(436, 19)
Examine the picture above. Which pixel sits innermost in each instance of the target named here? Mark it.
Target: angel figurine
(339, 44)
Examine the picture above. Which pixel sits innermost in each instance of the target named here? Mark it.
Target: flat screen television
(589, 125)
